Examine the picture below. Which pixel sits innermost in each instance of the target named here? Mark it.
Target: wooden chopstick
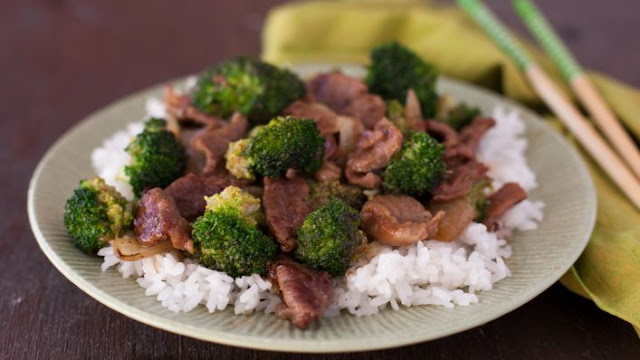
(579, 82)
(588, 137)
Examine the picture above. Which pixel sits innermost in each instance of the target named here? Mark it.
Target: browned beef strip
(368, 108)
(329, 171)
(286, 205)
(459, 181)
(459, 147)
(324, 117)
(374, 151)
(502, 200)
(336, 90)
(456, 151)
(195, 159)
(473, 133)
(214, 142)
(398, 220)
(180, 108)
(457, 156)
(157, 218)
(306, 293)
(463, 171)
(443, 133)
(189, 191)
(330, 148)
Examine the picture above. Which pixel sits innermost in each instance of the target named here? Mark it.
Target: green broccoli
(233, 197)
(95, 214)
(395, 114)
(227, 238)
(417, 167)
(157, 157)
(286, 143)
(328, 237)
(395, 69)
(254, 88)
(237, 164)
(461, 115)
(455, 115)
(479, 199)
(254, 130)
(320, 192)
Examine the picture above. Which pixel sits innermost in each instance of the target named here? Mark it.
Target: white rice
(183, 285)
(426, 273)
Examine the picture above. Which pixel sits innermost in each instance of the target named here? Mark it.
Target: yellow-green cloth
(608, 272)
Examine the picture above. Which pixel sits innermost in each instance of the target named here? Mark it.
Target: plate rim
(297, 345)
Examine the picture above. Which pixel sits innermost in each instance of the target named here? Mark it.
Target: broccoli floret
(254, 88)
(395, 69)
(417, 167)
(157, 157)
(328, 237)
(95, 214)
(233, 197)
(286, 143)
(237, 164)
(481, 206)
(254, 130)
(226, 237)
(321, 192)
(395, 114)
(479, 199)
(227, 242)
(461, 115)
(455, 115)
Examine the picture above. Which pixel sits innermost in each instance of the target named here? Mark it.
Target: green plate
(539, 258)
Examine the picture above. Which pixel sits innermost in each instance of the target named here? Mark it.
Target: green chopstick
(580, 83)
(535, 22)
(487, 20)
(539, 26)
(588, 137)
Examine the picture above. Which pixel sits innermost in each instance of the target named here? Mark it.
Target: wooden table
(61, 60)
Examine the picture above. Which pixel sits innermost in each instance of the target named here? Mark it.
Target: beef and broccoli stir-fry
(256, 172)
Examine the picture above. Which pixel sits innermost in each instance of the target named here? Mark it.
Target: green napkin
(608, 272)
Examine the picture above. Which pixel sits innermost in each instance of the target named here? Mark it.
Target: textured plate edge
(299, 346)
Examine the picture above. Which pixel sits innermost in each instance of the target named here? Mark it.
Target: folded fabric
(608, 272)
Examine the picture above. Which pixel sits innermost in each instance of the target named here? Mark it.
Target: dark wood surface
(61, 60)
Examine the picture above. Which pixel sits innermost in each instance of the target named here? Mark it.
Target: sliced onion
(127, 248)
(171, 99)
(173, 126)
(459, 213)
(412, 113)
(349, 130)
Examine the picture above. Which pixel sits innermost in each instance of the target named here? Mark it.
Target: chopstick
(588, 137)
(579, 82)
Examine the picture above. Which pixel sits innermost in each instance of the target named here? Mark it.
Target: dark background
(61, 60)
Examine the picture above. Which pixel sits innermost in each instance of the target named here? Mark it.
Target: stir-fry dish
(257, 189)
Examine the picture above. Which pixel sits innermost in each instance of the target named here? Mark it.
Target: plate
(539, 258)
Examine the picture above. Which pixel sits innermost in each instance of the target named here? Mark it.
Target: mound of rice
(426, 273)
